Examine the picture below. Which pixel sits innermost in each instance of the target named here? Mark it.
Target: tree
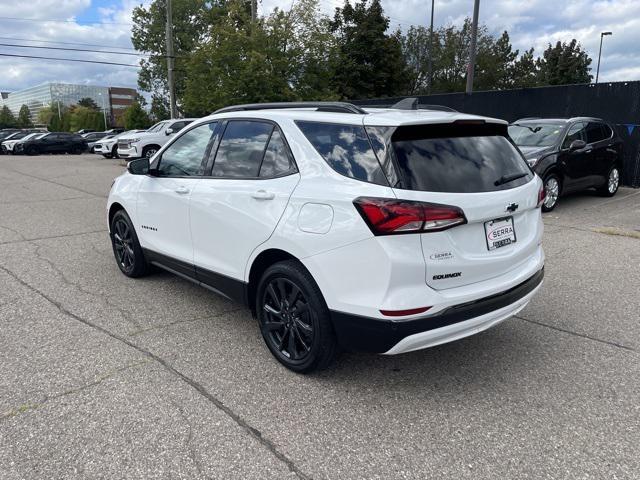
(369, 62)
(415, 47)
(7, 120)
(135, 117)
(88, 103)
(24, 117)
(191, 19)
(159, 108)
(86, 118)
(563, 64)
(495, 62)
(525, 71)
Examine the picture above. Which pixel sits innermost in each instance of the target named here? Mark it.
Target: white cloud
(530, 23)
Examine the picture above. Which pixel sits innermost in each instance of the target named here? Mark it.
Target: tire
(114, 152)
(298, 330)
(612, 183)
(31, 150)
(76, 150)
(91, 150)
(553, 188)
(149, 151)
(106, 155)
(126, 247)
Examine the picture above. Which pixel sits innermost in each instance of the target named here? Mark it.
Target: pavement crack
(189, 441)
(22, 237)
(104, 377)
(581, 335)
(78, 285)
(178, 322)
(236, 418)
(8, 242)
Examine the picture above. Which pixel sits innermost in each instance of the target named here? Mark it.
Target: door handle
(263, 195)
(182, 190)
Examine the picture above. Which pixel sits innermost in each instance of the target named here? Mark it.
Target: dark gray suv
(570, 154)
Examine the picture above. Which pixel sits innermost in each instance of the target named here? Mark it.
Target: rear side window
(457, 159)
(241, 149)
(277, 160)
(346, 149)
(595, 133)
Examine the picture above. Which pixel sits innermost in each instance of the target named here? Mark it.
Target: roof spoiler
(413, 103)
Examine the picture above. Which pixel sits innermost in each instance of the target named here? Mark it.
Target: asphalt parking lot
(102, 376)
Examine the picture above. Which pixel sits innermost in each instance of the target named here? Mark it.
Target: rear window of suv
(458, 159)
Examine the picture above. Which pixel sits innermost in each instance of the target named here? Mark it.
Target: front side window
(575, 132)
(184, 156)
(346, 149)
(241, 149)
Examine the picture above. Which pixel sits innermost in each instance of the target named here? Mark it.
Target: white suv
(382, 230)
(147, 143)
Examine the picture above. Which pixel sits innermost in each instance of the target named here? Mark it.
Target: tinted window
(594, 132)
(184, 156)
(607, 131)
(241, 149)
(179, 126)
(277, 160)
(464, 164)
(346, 149)
(575, 132)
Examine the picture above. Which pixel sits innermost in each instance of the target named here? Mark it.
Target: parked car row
(30, 142)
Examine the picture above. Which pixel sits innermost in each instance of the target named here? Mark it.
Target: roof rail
(527, 118)
(337, 107)
(440, 108)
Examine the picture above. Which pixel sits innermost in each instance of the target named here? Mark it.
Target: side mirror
(168, 131)
(139, 166)
(577, 145)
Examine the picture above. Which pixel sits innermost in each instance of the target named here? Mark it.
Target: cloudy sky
(106, 24)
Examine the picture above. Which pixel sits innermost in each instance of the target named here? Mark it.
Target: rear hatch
(471, 165)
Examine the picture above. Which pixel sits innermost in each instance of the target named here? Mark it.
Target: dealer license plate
(499, 232)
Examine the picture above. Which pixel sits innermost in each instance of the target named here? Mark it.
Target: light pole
(472, 54)
(602, 35)
(104, 110)
(431, 50)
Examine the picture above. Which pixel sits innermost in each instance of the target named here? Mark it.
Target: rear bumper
(359, 333)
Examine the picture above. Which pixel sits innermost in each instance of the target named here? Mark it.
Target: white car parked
(10, 143)
(383, 230)
(147, 143)
(108, 146)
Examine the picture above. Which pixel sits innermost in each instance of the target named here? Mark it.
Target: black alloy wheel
(294, 319)
(126, 247)
(287, 324)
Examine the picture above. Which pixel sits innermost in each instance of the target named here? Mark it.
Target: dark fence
(618, 103)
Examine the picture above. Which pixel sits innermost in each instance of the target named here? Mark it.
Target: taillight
(387, 216)
(542, 194)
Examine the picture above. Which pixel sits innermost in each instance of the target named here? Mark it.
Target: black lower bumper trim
(366, 334)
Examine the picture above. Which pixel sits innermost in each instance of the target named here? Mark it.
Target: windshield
(30, 136)
(38, 135)
(535, 134)
(157, 127)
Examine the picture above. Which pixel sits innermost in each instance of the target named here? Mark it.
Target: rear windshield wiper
(509, 178)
